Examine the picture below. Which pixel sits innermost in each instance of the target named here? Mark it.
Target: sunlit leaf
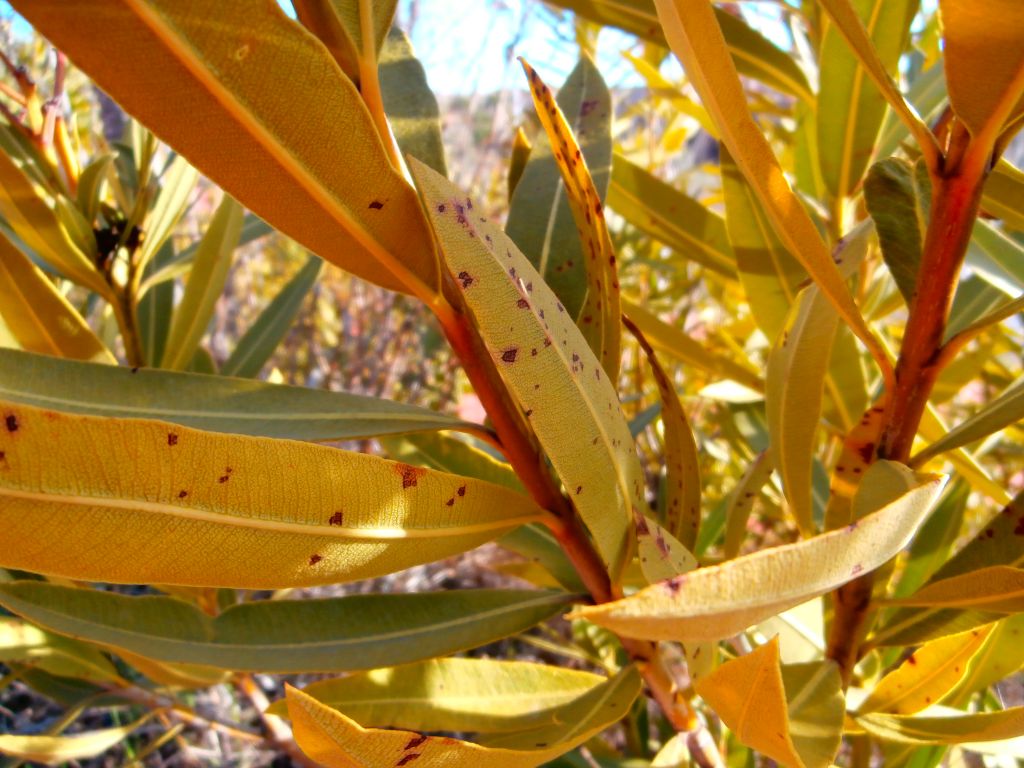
(21, 641)
(982, 726)
(997, 588)
(719, 601)
(546, 363)
(816, 708)
(325, 635)
(134, 501)
(51, 750)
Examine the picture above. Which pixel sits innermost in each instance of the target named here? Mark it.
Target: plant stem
(369, 82)
(956, 197)
(127, 322)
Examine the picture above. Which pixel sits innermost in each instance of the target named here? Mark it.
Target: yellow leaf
(984, 60)
(544, 360)
(134, 501)
(928, 674)
(38, 316)
(682, 466)
(661, 555)
(719, 601)
(599, 316)
(51, 750)
(334, 740)
(999, 588)
(747, 693)
(696, 38)
(267, 112)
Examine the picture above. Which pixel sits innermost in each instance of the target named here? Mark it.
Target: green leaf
(520, 155)
(213, 403)
(997, 258)
(20, 641)
(52, 750)
(259, 342)
(998, 414)
(932, 544)
(155, 311)
(478, 695)
(410, 104)
(741, 502)
(334, 740)
(718, 601)
(795, 384)
(1003, 195)
(244, 89)
(983, 726)
(850, 108)
(204, 286)
(754, 55)
(326, 635)
(550, 371)
(176, 185)
(816, 708)
(891, 199)
(670, 217)
(540, 220)
(927, 94)
(179, 506)
(91, 183)
(771, 277)
(38, 316)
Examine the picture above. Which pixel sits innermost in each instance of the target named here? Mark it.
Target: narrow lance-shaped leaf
(520, 155)
(179, 506)
(477, 695)
(952, 729)
(176, 185)
(754, 55)
(21, 641)
(1000, 656)
(326, 635)
(540, 219)
(339, 25)
(38, 316)
(998, 588)
(741, 502)
(54, 750)
(204, 286)
(771, 277)
(214, 403)
(335, 741)
(850, 107)
(599, 317)
(547, 365)
(410, 104)
(795, 384)
(682, 508)
(719, 601)
(259, 342)
(1004, 194)
(248, 89)
(669, 216)
(927, 675)
(696, 38)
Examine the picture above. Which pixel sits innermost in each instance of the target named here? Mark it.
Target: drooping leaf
(245, 88)
(38, 316)
(599, 318)
(997, 588)
(546, 363)
(134, 501)
(928, 674)
(719, 601)
(477, 695)
(771, 277)
(1004, 411)
(891, 199)
(981, 726)
(850, 108)
(259, 342)
(325, 635)
(984, 62)
(335, 741)
(214, 403)
(696, 38)
(540, 219)
(748, 694)
(204, 286)
(816, 708)
(682, 480)
(669, 216)
(754, 55)
(53, 750)
(410, 104)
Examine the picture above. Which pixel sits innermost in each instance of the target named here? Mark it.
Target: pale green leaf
(176, 185)
(816, 708)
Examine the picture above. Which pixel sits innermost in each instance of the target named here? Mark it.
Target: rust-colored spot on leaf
(912, 660)
(11, 420)
(674, 584)
(509, 355)
(462, 490)
(466, 279)
(338, 518)
(440, 208)
(410, 475)
(314, 559)
(407, 759)
(182, 494)
(223, 478)
(414, 742)
(523, 304)
(376, 205)
(866, 452)
(172, 439)
(450, 502)
(1019, 530)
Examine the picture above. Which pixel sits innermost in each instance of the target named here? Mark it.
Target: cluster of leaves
(885, 620)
